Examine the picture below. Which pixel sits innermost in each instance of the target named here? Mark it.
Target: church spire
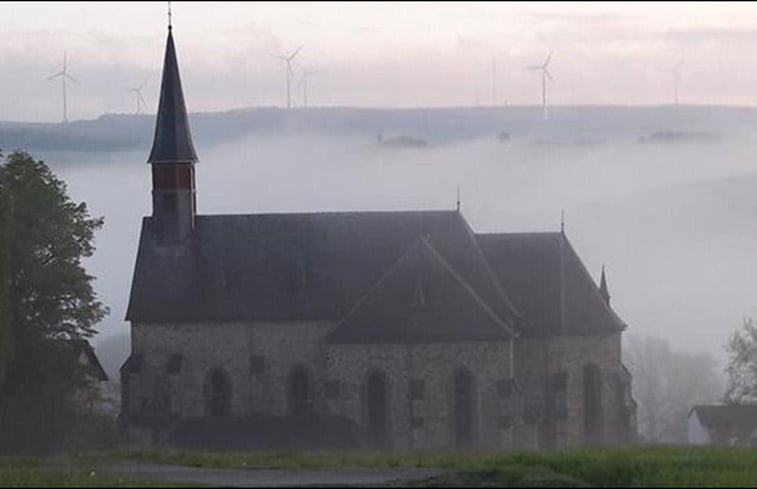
(172, 158)
(173, 139)
(603, 287)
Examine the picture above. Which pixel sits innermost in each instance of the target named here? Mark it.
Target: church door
(592, 397)
(464, 418)
(376, 409)
(218, 394)
(299, 391)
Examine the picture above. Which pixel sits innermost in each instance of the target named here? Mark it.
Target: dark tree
(46, 297)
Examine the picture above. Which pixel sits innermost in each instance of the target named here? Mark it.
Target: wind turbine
(494, 82)
(63, 74)
(544, 75)
(290, 73)
(675, 70)
(305, 75)
(140, 100)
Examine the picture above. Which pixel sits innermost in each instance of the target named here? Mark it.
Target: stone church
(407, 330)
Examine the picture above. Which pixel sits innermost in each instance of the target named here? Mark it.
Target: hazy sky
(376, 54)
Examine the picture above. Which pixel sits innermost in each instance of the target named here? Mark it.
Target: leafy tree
(742, 365)
(47, 299)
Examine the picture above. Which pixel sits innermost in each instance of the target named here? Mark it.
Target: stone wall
(541, 359)
(177, 360)
(420, 385)
(256, 358)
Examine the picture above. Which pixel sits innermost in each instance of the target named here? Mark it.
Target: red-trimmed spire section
(173, 139)
(603, 287)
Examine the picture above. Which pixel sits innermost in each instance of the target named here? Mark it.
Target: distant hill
(567, 125)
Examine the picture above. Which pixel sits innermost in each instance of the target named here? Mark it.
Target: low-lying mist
(675, 224)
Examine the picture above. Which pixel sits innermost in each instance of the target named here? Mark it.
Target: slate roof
(360, 269)
(420, 299)
(528, 265)
(173, 139)
(311, 266)
(738, 420)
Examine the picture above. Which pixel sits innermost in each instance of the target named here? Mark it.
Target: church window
(173, 366)
(592, 403)
(504, 422)
(332, 389)
(298, 386)
(464, 392)
(170, 203)
(257, 364)
(377, 409)
(504, 389)
(218, 393)
(417, 389)
(560, 381)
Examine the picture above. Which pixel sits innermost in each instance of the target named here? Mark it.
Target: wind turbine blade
(60, 73)
(142, 99)
(291, 57)
(283, 58)
(71, 78)
(549, 56)
(549, 76)
(535, 67)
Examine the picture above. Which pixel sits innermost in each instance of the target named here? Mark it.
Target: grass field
(628, 467)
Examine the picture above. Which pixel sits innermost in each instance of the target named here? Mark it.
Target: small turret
(603, 287)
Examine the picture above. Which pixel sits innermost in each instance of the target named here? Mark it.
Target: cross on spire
(170, 14)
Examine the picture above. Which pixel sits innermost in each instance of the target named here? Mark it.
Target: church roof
(421, 299)
(544, 277)
(173, 139)
(310, 266)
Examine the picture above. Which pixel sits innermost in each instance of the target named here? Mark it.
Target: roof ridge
(467, 287)
(329, 213)
(378, 283)
(521, 233)
(492, 276)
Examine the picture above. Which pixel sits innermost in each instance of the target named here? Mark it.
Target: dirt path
(277, 477)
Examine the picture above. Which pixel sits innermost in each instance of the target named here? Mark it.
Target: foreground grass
(30, 472)
(620, 467)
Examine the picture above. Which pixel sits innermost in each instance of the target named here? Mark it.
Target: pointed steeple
(173, 139)
(603, 287)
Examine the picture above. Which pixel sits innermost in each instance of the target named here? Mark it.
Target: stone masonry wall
(425, 421)
(538, 358)
(258, 384)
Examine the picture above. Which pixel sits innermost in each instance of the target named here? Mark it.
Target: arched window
(298, 390)
(464, 419)
(376, 409)
(592, 397)
(218, 393)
